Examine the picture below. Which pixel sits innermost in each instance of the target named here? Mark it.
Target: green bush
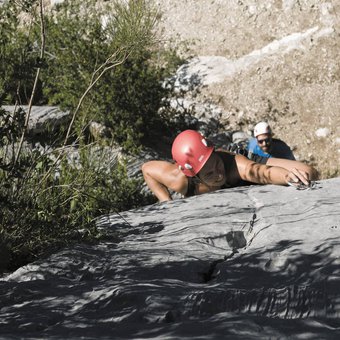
(41, 211)
(17, 56)
(127, 97)
(111, 74)
(46, 204)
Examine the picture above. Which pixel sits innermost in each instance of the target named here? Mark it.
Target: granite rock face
(248, 262)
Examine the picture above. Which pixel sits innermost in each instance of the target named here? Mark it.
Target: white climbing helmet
(261, 128)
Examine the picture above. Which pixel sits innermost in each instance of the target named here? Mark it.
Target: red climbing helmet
(190, 151)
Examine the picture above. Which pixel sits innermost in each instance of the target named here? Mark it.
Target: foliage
(61, 211)
(17, 55)
(40, 213)
(80, 37)
(10, 128)
(44, 207)
(127, 98)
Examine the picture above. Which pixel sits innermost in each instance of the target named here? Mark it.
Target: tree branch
(41, 56)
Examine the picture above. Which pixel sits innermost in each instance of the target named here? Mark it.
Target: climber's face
(264, 141)
(213, 172)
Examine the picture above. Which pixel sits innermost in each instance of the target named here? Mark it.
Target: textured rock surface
(276, 60)
(259, 261)
(43, 119)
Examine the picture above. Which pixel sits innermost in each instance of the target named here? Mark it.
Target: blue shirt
(278, 149)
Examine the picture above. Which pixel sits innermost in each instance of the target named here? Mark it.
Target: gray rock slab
(244, 263)
(43, 118)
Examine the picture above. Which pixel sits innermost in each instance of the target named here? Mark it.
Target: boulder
(43, 119)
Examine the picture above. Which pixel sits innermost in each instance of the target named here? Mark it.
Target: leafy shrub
(41, 211)
(17, 56)
(127, 98)
(45, 202)
(106, 73)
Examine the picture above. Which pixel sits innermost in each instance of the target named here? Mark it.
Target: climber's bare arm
(290, 165)
(266, 174)
(161, 176)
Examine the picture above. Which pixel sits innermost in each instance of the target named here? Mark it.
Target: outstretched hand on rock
(296, 177)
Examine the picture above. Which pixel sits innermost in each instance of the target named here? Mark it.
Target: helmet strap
(201, 181)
